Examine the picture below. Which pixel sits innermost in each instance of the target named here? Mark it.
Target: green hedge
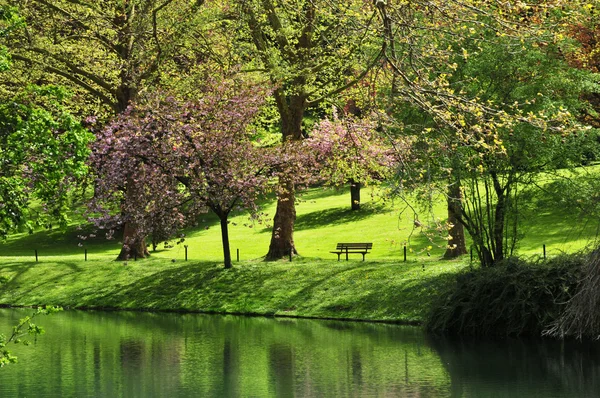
(515, 297)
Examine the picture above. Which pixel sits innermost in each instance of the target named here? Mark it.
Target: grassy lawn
(315, 284)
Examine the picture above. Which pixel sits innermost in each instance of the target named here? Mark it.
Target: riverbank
(389, 291)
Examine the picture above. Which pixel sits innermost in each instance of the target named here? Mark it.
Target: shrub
(514, 298)
(580, 317)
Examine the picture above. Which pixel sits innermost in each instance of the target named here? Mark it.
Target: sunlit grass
(314, 284)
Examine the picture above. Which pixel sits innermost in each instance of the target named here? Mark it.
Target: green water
(126, 354)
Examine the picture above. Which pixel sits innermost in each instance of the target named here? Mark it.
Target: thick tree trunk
(134, 243)
(457, 245)
(134, 246)
(291, 110)
(355, 195)
(282, 238)
(225, 239)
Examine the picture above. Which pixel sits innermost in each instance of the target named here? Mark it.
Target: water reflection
(524, 367)
(103, 354)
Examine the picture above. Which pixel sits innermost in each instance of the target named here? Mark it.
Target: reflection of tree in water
(131, 353)
(356, 365)
(281, 369)
(516, 367)
(230, 368)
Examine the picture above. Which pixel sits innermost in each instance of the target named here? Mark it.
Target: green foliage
(25, 327)
(514, 298)
(9, 21)
(43, 153)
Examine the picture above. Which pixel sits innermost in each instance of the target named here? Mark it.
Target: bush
(513, 298)
(580, 317)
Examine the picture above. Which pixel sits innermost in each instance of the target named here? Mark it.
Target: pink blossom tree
(184, 157)
(351, 150)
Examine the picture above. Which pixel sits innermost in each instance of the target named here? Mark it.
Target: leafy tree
(43, 154)
(477, 79)
(310, 50)
(107, 52)
(185, 157)
(350, 150)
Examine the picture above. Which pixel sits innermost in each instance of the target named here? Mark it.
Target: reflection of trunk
(225, 239)
(281, 369)
(355, 195)
(230, 368)
(282, 239)
(457, 245)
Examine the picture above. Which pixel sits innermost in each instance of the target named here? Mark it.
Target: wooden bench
(352, 248)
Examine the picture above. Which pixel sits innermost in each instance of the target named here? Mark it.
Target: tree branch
(103, 97)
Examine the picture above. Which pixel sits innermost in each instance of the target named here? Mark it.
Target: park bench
(352, 248)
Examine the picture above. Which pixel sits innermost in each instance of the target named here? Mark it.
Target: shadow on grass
(335, 216)
(63, 241)
(19, 270)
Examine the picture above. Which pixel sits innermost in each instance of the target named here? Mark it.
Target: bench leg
(338, 256)
(363, 256)
(346, 254)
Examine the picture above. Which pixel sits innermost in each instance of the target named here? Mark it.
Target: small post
(291, 250)
(544, 251)
(471, 253)
(185, 246)
(85, 254)
(238, 255)
(36, 256)
(404, 253)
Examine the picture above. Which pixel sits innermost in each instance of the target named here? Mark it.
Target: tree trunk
(499, 217)
(134, 246)
(225, 239)
(457, 244)
(499, 228)
(291, 110)
(282, 238)
(355, 195)
(486, 257)
(134, 243)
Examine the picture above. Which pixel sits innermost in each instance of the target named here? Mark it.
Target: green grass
(314, 285)
(371, 290)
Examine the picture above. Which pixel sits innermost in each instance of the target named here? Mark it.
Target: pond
(131, 354)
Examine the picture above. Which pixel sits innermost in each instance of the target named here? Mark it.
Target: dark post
(471, 253)
(36, 256)
(186, 246)
(544, 251)
(85, 254)
(291, 250)
(238, 255)
(404, 253)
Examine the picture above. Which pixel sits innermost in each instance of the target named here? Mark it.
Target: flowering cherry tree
(350, 150)
(181, 158)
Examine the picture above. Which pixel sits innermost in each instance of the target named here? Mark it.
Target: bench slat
(341, 246)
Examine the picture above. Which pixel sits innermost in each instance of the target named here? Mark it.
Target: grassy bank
(314, 285)
(370, 290)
